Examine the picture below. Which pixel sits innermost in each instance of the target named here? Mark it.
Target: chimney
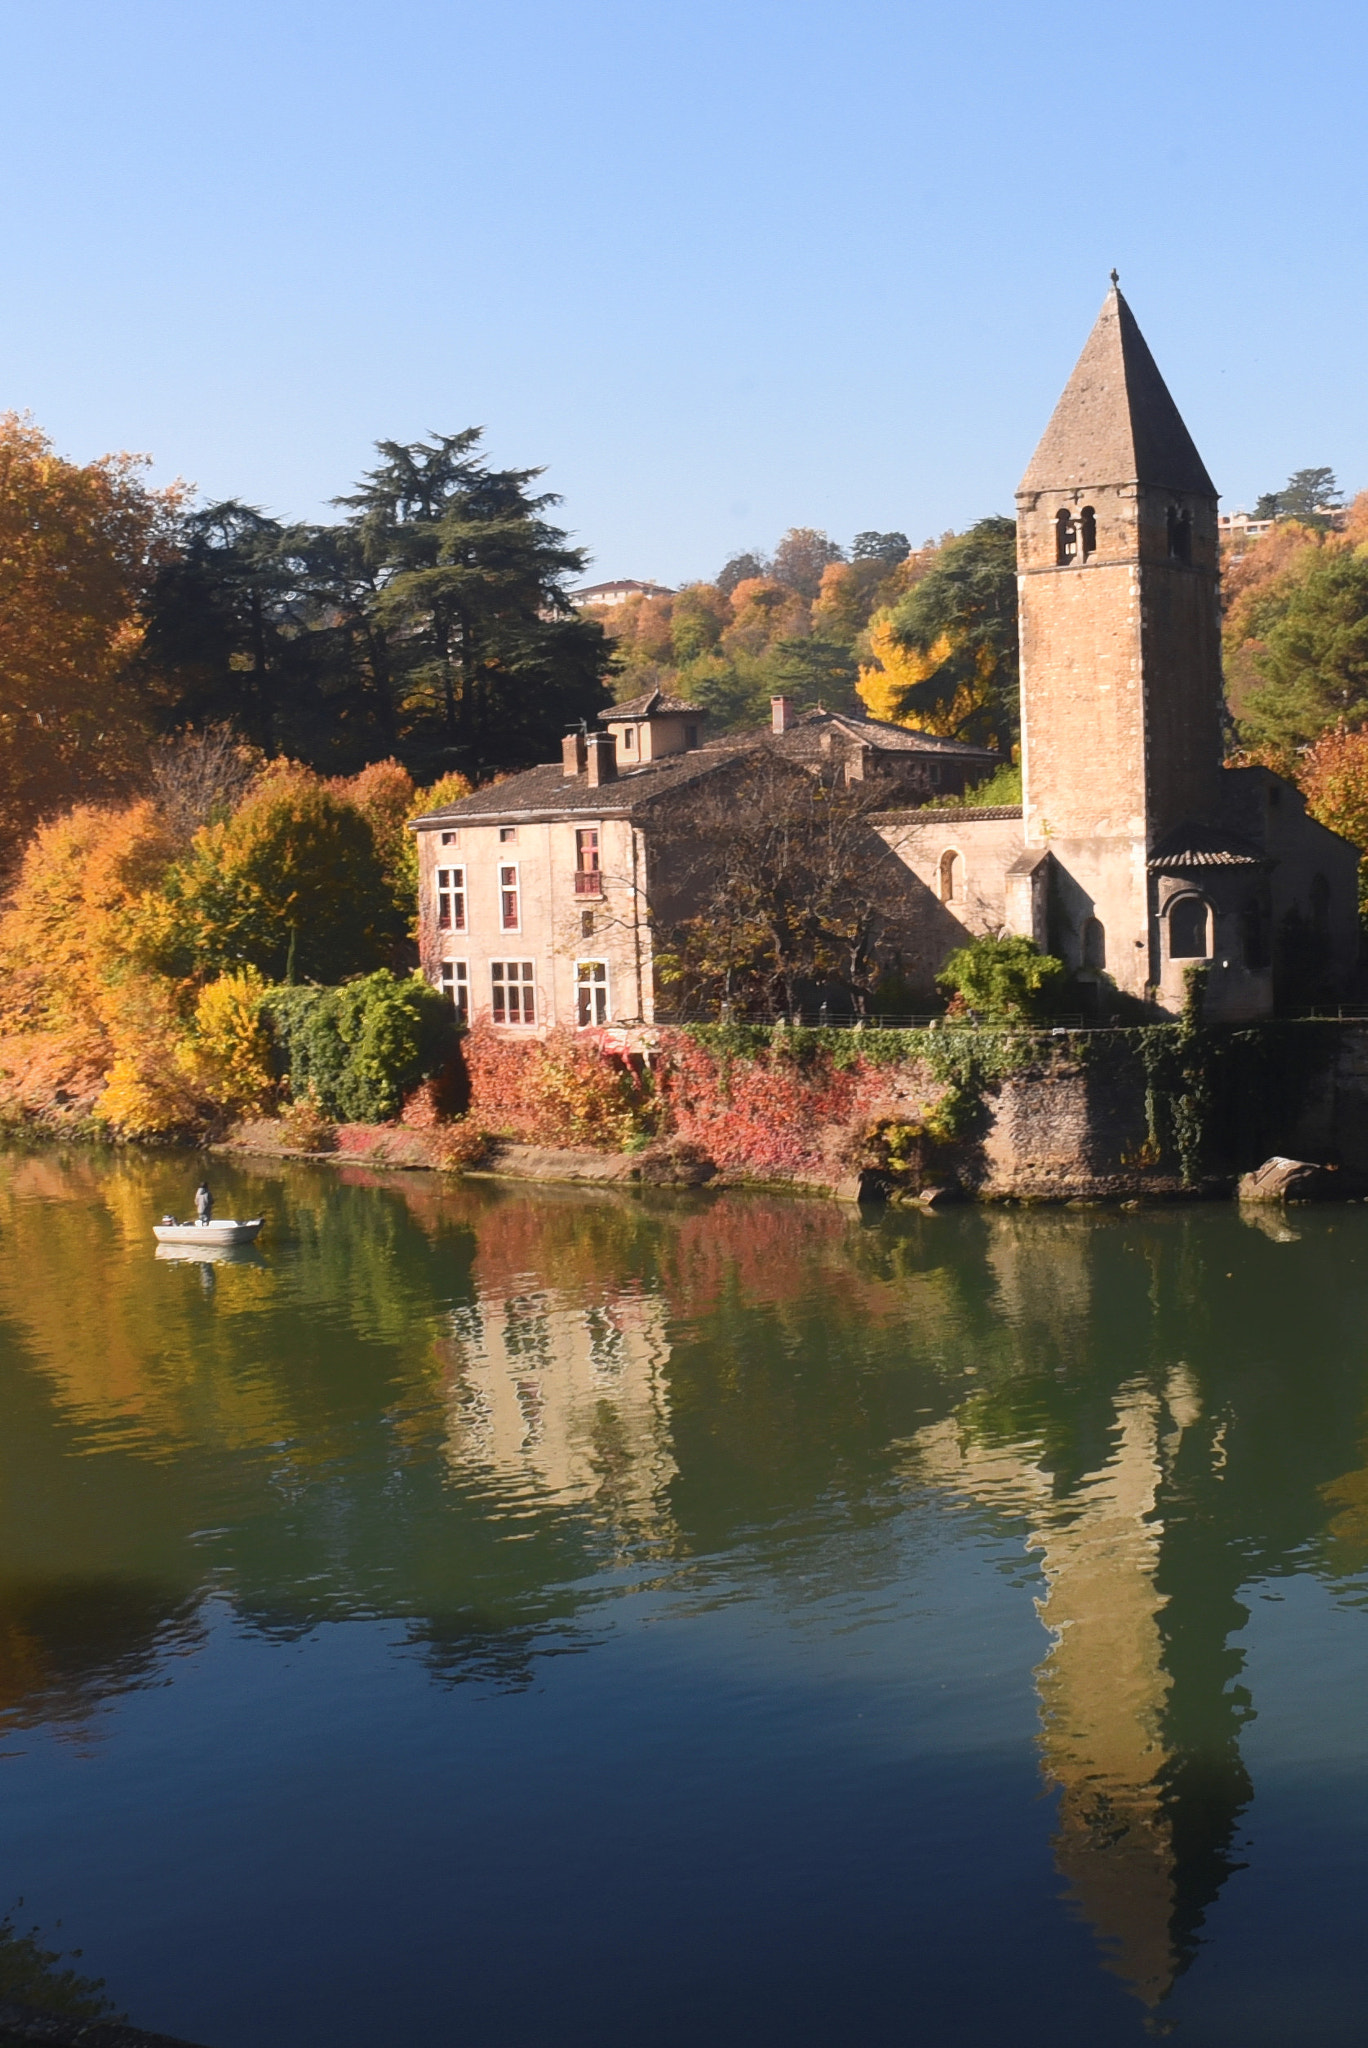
(572, 753)
(781, 714)
(601, 749)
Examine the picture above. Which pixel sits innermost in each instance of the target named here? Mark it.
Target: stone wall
(1069, 1116)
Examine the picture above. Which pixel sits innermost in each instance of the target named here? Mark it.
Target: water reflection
(483, 1413)
(1142, 1851)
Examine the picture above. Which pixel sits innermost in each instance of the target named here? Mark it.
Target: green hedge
(357, 1050)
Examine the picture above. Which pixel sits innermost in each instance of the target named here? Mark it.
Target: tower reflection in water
(1141, 1753)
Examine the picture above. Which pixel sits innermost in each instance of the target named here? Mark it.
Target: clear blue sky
(723, 266)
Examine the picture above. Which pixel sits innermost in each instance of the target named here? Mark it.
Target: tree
(880, 547)
(432, 623)
(197, 776)
(1000, 977)
(291, 884)
(956, 630)
(740, 569)
(1313, 656)
(800, 558)
(814, 671)
(73, 921)
(491, 660)
(80, 545)
(698, 614)
(1308, 494)
(1333, 777)
(779, 888)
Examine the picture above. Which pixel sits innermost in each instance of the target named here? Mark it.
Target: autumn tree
(79, 547)
(1333, 777)
(948, 651)
(801, 556)
(291, 884)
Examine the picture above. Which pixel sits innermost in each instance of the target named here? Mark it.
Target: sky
(722, 267)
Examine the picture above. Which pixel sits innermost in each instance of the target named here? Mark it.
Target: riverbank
(986, 1114)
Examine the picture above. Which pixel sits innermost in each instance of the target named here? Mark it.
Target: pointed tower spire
(1116, 423)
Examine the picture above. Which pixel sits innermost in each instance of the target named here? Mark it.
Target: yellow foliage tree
(78, 914)
(79, 545)
(895, 669)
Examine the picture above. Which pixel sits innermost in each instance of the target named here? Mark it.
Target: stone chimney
(781, 714)
(572, 753)
(601, 749)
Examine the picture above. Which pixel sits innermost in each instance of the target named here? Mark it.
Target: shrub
(358, 1049)
(1000, 977)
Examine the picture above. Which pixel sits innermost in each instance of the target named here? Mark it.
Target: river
(504, 1615)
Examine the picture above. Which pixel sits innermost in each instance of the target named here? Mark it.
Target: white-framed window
(451, 900)
(510, 898)
(591, 992)
(454, 976)
(513, 988)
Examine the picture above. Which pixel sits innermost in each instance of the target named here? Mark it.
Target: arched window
(1087, 525)
(1179, 535)
(1066, 537)
(951, 876)
(1320, 903)
(1188, 927)
(1094, 943)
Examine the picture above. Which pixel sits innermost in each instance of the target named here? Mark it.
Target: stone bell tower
(1118, 570)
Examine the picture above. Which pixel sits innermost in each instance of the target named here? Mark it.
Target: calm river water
(502, 1616)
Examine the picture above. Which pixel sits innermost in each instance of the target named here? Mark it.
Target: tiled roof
(654, 704)
(1203, 846)
(805, 736)
(947, 814)
(548, 792)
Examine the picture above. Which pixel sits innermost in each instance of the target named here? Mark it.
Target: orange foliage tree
(79, 545)
(1333, 777)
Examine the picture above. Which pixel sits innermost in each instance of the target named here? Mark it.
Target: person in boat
(204, 1203)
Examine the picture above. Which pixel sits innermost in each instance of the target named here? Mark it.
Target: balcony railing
(588, 882)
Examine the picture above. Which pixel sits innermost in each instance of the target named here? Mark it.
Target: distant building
(1243, 526)
(619, 592)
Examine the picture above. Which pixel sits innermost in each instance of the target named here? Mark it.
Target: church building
(1135, 852)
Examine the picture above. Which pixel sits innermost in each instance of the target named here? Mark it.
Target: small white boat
(222, 1231)
(210, 1254)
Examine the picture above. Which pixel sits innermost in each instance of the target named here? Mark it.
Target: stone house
(1134, 855)
(540, 894)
